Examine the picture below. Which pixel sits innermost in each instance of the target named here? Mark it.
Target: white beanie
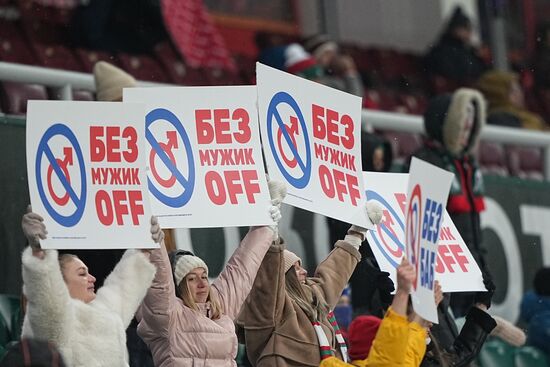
(185, 264)
(110, 80)
(290, 259)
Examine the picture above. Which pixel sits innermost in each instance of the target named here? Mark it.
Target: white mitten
(34, 228)
(277, 191)
(374, 211)
(157, 234)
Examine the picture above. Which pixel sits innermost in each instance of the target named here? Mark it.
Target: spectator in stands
(535, 311)
(505, 97)
(271, 49)
(393, 341)
(453, 123)
(187, 321)
(370, 288)
(299, 62)
(286, 320)
(340, 70)
(63, 307)
(32, 352)
(453, 59)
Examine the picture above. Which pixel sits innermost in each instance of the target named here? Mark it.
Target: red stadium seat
(88, 58)
(56, 56)
(216, 76)
(83, 95)
(14, 96)
(173, 64)
(143, 67)
(526, 162)
(492, 159)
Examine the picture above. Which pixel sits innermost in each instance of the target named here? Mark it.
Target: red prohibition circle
(291, 163)
(398, 252)
(59, 200)
(163, 182)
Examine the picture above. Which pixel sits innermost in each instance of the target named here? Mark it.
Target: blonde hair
(305, 296)
(64, 259)
(216, 310)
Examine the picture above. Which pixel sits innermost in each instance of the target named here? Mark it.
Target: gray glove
(34, 228)
(157, 234)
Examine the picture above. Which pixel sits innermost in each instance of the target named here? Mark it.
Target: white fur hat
(185, 264)
(290, 259)
(110, 80)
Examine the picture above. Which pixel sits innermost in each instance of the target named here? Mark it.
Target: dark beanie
(542, 282)
(459, 20)
(361, 334)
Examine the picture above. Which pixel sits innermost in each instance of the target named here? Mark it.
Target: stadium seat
(171, 62)
(13, 47)
(531, 357)
(403, 145)
(496, 353)
(56, 56)
(88, 58)
(14, 96)
(247, 68)
(83, 95)
(492, 159)
(143, 67)
(526, 162)
(10, 316)
(216, 76)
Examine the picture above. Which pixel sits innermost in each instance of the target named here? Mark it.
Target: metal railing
(67, 80)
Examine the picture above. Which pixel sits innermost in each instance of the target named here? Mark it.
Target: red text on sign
(214, 126)
(117, 205)
(336, 183)
(105, 144)
(226, 157)
(326, 124)
(230, 184)
(335, 156)
(450, 258)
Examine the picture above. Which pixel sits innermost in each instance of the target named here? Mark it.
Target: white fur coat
(90, 334)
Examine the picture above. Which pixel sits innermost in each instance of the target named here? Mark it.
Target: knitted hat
(185, 264)
(361, 334)
(110, 80)
(290, 259)
(458, 20)
(508, 332)
(301, 63)
(320, 43)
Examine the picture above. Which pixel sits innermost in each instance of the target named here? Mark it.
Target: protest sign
(86, 174)
(455, 267)
(427, 193)
(204, 161)
(311, 140)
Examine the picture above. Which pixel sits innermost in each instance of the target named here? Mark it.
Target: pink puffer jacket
(180, 336)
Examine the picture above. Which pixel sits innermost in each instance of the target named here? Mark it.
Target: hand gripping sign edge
(278, 98)
(79, 202)
(187, 184)
(371, 195)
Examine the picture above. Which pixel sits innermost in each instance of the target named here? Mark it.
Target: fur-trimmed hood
(445, 117)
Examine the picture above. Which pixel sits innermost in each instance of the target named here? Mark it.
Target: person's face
(79, 282)
(325, 59)
(378, 159)
(301, 273)
(464, 34)
(197, 283)
(516, 95)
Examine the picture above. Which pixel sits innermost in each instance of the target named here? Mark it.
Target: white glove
(277, 191)
(157, 234)
(33, 228)
(374, 211)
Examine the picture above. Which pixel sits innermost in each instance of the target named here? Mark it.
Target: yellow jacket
(397, 343)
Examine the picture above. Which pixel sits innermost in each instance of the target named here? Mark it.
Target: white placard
(455, 267)
(427, 193)
(85, 163)
(311, 140)
(204, 160)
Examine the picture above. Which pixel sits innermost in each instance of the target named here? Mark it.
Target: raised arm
(235, 281)
(126, 286)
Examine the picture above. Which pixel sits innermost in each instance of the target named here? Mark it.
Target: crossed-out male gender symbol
(166, 155)
(385, 237)
(60, 168)
(289, 133)
(413, 227)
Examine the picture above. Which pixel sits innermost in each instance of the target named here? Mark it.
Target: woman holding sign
(63, 307)
(287, 319)
(186, 321)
